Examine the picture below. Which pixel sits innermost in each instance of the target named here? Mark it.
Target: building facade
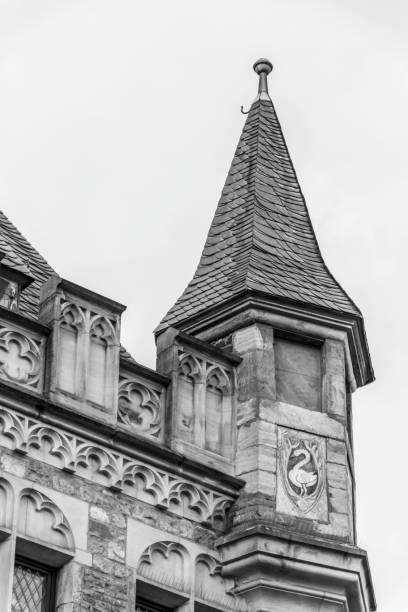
(224, 479)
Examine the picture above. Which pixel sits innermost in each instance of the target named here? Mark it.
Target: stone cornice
(264, 547)
(265, 530)
(252, 307)
(56, 282)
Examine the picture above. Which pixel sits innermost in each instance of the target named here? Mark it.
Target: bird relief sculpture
(302, 470)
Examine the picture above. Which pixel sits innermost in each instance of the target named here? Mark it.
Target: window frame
(51, 579)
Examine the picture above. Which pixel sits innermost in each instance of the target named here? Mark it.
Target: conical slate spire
(261, 238)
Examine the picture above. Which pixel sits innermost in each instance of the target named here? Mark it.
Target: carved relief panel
(141, 406)
(21, 357)
(302, 480)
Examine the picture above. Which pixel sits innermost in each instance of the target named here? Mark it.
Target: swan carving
(299, 477)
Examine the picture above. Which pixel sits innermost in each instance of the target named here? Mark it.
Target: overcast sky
(118, 122)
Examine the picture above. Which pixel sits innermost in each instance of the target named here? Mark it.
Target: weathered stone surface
(333, 356)
(338, 500)
(256, 373)
(336, 452)
(255, 432)
(257, 457)
(335, 395)
(337, 475)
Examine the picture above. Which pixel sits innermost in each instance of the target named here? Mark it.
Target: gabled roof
(23, 257)
(261, 238)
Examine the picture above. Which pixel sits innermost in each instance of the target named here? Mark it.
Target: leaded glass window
(33, 588)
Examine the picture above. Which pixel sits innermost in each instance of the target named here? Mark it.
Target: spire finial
(263, 67)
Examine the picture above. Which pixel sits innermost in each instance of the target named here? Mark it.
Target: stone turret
(263, 293)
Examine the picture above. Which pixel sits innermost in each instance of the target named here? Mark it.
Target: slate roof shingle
(261, 238)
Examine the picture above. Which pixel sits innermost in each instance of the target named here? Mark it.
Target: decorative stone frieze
(111, 469)
(21, 358)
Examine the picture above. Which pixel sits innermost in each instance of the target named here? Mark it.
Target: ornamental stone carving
(72, 315)
(83, 368)
(20, 358)
(113, 470)
(140, 408)
(39, 518)
(102, 328)
(166, 563)
(302, 475)
(203, 413)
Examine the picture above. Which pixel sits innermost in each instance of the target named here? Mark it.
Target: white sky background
(118, 122)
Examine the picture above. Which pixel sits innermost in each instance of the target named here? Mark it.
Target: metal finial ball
(263, 65)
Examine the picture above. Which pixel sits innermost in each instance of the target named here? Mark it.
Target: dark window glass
(33, 588)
